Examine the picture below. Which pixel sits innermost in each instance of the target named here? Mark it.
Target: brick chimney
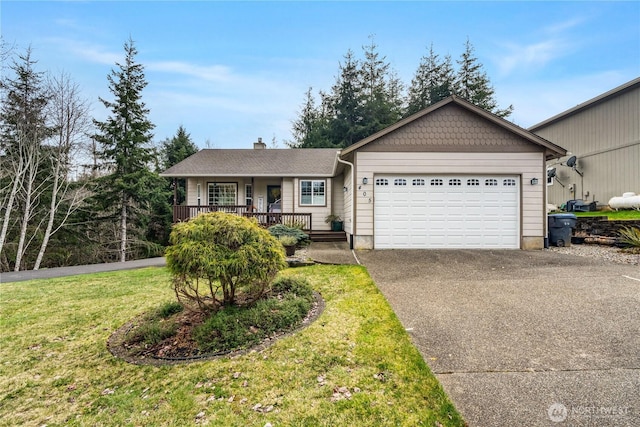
(259, 145)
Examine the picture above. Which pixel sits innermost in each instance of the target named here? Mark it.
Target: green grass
(629, 214)
(55, 368)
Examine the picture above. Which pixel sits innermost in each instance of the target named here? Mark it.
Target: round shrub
(219, 259)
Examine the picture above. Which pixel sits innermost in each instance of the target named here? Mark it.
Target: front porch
(265, 219)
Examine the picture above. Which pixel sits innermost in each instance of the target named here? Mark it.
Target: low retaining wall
(600, 227)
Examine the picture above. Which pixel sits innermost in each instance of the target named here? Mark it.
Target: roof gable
(455, 124)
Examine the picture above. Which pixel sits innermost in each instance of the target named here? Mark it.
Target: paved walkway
(49, 273)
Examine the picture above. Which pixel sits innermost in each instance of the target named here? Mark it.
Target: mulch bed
(181, 348)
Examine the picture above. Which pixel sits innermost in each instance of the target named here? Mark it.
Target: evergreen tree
(172, 152)
(125, 137)
(379, 107)
(346, 110)
(310, 129)
(473, 84)
(432, 82)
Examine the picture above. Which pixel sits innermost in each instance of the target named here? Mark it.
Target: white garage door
(446, 211)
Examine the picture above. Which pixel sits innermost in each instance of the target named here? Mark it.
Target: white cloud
(87, 51)
(532, 56)
(219, 73)
(555, 41)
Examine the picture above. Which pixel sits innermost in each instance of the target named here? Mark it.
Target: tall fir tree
(379, 106)
(472, 83)
(310, 128)
(173, 151)
(432, 82)
(346, 121)
(125, 137)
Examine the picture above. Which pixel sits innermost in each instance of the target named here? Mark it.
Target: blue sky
(230, 72)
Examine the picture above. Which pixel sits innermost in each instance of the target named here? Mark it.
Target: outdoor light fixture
(345, 189)
(534, 181)
(365, 180)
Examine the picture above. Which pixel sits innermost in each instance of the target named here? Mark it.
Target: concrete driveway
(520, 338)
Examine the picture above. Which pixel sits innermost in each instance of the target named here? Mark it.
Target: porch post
(175, 191)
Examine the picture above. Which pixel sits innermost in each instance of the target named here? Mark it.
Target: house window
(418, 181)
(223, 194)
(509, 182)
(382, 181)
(199, 194)
(399, 181)
(312, 193)
(490, 182)
(455, 182)
(473, 182)
(436, 182)
(248, 195)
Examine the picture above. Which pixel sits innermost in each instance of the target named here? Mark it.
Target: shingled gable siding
(452, 140)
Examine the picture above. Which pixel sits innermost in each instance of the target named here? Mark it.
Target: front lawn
(628, 214)
(354, 366)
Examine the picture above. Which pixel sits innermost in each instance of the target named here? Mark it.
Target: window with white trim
(222, 193)
(312, 193)
(382, 181)
(399, 181)
(490, 182)
(455, 182)
(473, 182)
(436, 182)
(418, 181)
(509, 182)
(248, 195)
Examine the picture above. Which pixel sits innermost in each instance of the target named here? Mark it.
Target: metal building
(604, 136)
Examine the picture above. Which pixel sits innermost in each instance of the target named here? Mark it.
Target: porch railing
(265, 219)
(183, 213)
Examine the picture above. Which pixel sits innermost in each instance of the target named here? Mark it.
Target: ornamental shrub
(281, 230)
(219, 259)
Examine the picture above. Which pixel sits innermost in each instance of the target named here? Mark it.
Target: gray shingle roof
(263, 162)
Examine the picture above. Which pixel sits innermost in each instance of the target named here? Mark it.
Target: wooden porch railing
(265, 219)
(184, 213)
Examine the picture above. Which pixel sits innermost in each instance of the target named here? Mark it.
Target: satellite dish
(551, 173)
(572, 162)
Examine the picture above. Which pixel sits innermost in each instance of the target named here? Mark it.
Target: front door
(274, 198)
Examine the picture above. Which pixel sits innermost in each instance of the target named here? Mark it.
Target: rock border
(116, 340)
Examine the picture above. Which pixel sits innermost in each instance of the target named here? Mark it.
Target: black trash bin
(560, 226)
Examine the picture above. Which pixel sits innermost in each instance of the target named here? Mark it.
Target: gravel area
(608, 253)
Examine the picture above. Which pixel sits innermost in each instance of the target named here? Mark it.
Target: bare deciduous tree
(69, 116)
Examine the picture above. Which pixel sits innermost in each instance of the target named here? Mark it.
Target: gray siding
(605, 137)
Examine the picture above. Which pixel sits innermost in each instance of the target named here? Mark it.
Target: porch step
(328, 236)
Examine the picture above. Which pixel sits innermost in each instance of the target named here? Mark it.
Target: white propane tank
(628, 200)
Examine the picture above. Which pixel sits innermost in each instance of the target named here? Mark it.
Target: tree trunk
(123, 228)
(25, 220)
(12, 197)
(52, 214)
